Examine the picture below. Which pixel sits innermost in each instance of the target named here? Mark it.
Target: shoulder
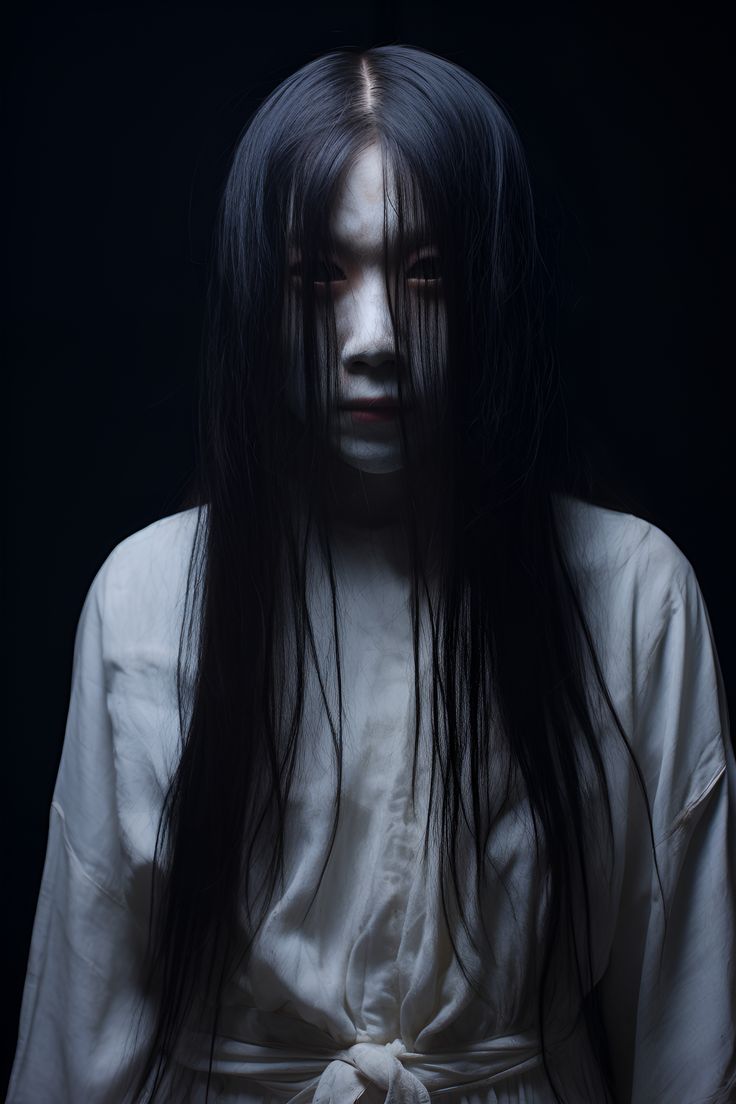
(628, 567)
(156, 543)
(156, 547)
(613, 541)
(658, 650)
(140, 586)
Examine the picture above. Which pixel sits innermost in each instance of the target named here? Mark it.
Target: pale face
(367, 438)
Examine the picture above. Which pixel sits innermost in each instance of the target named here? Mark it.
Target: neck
(370, 502)
(377, 503)
(363, 499)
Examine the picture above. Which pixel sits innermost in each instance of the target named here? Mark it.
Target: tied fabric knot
(344, 1079)
(300, 1063)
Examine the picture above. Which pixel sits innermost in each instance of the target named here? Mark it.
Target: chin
(379, 460)
(373, 465)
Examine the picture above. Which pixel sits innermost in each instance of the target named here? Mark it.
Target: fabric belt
(316, 1069)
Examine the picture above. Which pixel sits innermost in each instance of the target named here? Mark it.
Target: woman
(440, 770)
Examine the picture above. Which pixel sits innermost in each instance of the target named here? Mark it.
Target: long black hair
(513, 659)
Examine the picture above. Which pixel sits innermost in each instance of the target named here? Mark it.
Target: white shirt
(363, 994)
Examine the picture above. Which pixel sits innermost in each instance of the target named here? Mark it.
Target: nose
(368, 340)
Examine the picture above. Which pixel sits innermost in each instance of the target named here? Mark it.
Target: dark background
(119, 123)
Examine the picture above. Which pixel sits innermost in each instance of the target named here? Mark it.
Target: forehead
(357, 216)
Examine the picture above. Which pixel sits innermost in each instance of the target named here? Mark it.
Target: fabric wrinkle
(355, 990)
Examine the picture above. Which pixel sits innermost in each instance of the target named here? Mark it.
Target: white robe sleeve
(82, 981)
(669, 997)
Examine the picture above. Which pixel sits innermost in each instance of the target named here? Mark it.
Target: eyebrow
(412, 239)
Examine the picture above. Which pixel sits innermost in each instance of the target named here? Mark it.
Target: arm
(80, 1001)
(669, 996)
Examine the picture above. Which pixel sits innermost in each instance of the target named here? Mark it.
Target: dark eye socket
(426, 268)
(325, 271)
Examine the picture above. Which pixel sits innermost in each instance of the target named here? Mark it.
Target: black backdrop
(120, 120)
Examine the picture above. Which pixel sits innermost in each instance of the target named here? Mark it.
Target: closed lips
(370, 404)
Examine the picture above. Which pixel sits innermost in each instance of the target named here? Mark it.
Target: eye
(425, 270)
(325, 272)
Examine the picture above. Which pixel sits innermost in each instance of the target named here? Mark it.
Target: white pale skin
(366, 349)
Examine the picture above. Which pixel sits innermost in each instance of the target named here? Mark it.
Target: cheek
(292, 359)
(291, 351)
(344, 314)
(429, 345)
